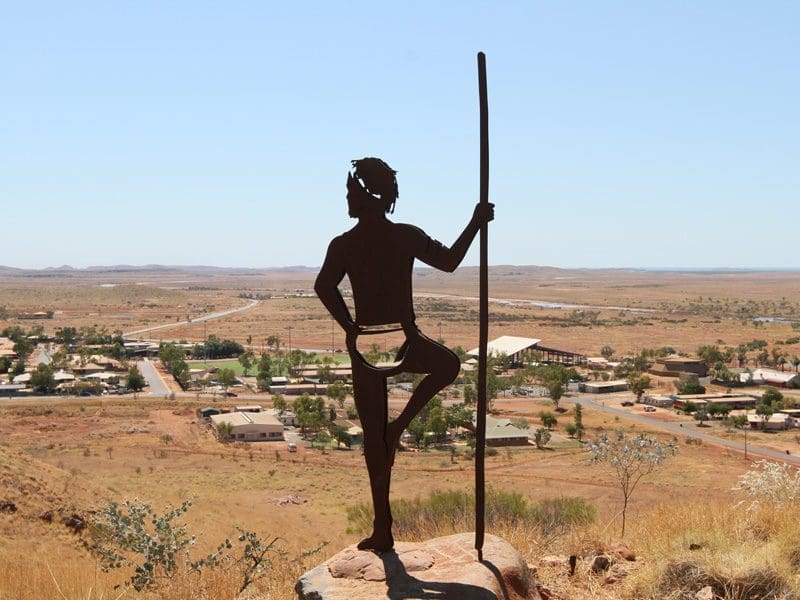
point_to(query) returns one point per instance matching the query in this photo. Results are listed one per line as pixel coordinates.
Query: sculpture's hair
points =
(377, 179)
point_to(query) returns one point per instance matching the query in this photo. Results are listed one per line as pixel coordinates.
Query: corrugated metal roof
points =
(243, 418)
(506, 344)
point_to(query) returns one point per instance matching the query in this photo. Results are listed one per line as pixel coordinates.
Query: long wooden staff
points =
(483, 309)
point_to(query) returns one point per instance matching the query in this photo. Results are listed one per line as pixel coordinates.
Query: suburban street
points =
(689, 430)
(156, 385)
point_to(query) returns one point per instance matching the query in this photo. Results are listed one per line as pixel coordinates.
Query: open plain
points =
(60, 457)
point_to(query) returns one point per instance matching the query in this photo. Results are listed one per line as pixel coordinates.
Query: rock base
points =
(445, 567)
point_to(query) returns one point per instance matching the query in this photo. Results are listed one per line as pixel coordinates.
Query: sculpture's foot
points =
(377, 542)
(391, 441)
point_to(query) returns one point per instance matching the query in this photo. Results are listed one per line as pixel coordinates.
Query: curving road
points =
(251, 303)
(677, 429)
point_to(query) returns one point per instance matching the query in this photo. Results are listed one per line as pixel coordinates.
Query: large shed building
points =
(251, 427)
(520, 349)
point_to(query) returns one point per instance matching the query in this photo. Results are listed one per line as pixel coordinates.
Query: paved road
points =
(156, 385)
(688, 430)
(219, 315)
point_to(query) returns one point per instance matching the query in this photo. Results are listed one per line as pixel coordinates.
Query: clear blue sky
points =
(623, 134)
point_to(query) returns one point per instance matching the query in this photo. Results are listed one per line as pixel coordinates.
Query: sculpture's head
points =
(371, 187)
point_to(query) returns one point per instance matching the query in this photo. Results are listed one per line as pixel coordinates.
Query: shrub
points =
(454, 511)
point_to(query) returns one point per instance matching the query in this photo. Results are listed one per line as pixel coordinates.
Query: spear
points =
(483, 309)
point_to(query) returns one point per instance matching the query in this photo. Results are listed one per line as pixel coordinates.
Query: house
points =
(603, 387)
(7, 348)
(674, 366)
(776, 422)
(776, 378)
(251, 427)
(500, 432)
(353, 427)
(12, 389)
(700, 401)
(287, 417)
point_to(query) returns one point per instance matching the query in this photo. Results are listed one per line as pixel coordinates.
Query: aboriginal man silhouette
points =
(378, 256)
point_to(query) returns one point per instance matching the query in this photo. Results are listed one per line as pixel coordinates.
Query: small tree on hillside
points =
(607, 352)
(630, 458)
(579, 428)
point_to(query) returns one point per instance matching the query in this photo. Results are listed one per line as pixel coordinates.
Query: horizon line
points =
(155, 266)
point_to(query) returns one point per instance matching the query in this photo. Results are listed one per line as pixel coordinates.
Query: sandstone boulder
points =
(445, 567)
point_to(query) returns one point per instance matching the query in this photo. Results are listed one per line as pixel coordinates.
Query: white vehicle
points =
(292, 447)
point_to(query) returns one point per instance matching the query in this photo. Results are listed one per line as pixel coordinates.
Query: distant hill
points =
(197, 269)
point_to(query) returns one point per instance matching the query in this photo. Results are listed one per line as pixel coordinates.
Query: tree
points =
(341, 436)
(324, 370)
(279, 403)
(765, 411)
(715, 409)
(310, 412)
(570, 429)
(23, 348)
(226, 378)
(337, 392)
(607, 352)
(638, 383)
(541, 437)
(458, 415)
(67, 336)
(224, 430)
(170, 355)
(42, 379)
(579, 428)
(630, 459)
(521, 423)
(711, 355)
(556, 390)
(772, 397)
(470, 395)
(689, 383)
(548, 420)
(135, 380)
(246, 359)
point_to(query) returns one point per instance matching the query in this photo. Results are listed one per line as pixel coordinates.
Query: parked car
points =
(649, 409)
(627, 403)
(292, 447)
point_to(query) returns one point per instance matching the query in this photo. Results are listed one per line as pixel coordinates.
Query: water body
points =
(537, 303)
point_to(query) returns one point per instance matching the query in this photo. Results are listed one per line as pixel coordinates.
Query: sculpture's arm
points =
(327, 287)
(448, 259)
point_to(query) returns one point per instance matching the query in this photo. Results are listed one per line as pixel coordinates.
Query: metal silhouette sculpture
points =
(377, 256)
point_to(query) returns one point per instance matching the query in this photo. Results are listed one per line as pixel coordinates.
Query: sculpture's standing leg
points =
(369, 391)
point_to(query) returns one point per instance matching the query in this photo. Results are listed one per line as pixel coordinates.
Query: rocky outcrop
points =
(445, 567)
